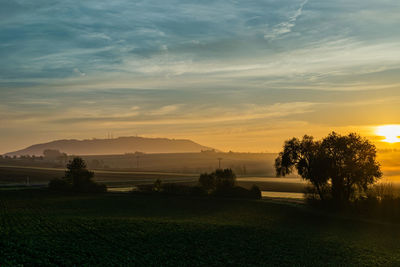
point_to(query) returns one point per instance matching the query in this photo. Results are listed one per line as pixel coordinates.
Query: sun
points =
(390, 132)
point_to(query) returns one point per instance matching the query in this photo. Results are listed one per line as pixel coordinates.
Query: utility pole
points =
(219, 163)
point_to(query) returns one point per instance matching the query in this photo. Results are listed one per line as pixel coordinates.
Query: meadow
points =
(38, 227)
(16, 176)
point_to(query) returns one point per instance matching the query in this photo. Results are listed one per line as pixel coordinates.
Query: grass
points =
(38, 175)
(17, 175)
(42, 228)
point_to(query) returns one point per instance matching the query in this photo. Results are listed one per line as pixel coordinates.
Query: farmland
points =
(42, 228)
(242, 163)
(17, 176)
(38, 175)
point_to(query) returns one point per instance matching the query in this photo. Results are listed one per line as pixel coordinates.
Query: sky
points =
(241, 75)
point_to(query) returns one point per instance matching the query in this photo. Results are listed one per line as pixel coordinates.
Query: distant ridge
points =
(120, 145)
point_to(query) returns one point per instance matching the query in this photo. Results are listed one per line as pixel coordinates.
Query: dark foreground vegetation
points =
(77, 178)
(220, 183)
(39, 228)
(340, 169)
(244, 164)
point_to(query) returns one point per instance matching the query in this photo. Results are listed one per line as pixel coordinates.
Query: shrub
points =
(225, 178)
(237, 192)
(207, 181)
(144, 188)
(59, 185)
(217, 179)
(157, 186)
(255, 192)
(176, 189)
(382, 191)
(198, 191)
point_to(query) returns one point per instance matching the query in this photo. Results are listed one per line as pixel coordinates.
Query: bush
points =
(144, 188)
(207, 181)
(93, 188)
(59, 185)
(382, 191)
(157, 186)
(175, 189)
(217, 179)
(256, 192)
(311, 193)
(237, 192)
(225, 178)
(198, 191)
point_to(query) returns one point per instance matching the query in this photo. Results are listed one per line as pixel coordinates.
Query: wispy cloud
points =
(286, 26)
(189, 66)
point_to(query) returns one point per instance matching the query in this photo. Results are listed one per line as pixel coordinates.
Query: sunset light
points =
(390, 132)
(200, 133)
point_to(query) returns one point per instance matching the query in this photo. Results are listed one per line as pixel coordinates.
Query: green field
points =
(41, 176)
(17, 175)
(42, 228)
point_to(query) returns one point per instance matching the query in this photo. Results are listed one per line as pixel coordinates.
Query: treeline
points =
(220, 183)
(243, 164)
(78, 178)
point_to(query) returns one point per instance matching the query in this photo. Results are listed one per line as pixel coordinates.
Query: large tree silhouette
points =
(341, 164)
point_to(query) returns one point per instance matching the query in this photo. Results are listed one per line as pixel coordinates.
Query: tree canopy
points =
(218, 179)
(77, 178)
(337, 166)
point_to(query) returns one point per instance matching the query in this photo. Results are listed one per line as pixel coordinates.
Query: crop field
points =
(42, 228)
(40, 175)
(17, 175)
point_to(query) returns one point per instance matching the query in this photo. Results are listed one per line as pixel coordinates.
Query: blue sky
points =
(240, 75)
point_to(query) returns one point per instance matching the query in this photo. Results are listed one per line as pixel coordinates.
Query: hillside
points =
(119, 145)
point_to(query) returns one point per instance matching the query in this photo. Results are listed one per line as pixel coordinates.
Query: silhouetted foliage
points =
(53, 154)
(236, 192)
(308, 157)
(225, 178)
(352, 164)
(218, 183)
(338, 166)
(255, 191)
(60, 185)
(218, 178)
(157, 187)
(77, 178)
(223, 183)
(207, 181)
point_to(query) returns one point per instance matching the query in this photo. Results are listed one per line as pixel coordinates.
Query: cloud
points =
(77, 71)
(165, 110)
(286, 26)
(189, 66)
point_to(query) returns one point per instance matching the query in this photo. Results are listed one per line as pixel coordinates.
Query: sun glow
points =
(390, 132)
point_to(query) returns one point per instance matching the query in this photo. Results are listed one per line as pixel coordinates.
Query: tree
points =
(78, 178)
(77, 174)
(55, 155)
(225, 178)
(307, 157)
(341, 164)
(218, 179)
(353, 164)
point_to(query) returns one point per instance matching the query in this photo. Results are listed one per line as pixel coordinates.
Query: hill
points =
(119, 145)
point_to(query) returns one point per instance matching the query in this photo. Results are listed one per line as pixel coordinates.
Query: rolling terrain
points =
(45, 229)
(118, 145)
